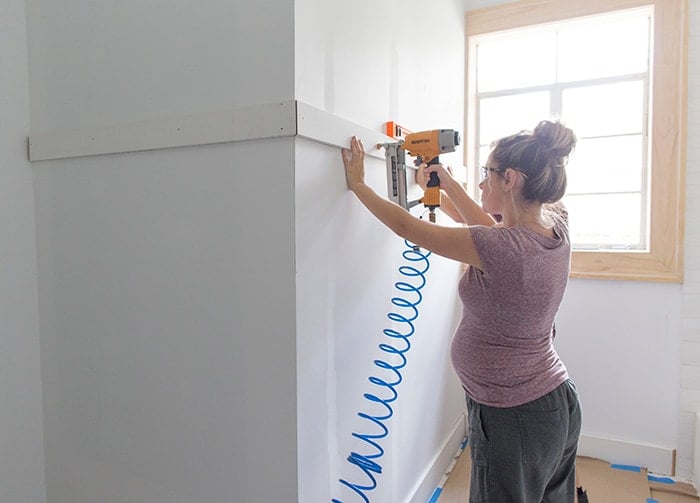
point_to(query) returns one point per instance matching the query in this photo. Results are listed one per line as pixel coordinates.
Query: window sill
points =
(626, 266)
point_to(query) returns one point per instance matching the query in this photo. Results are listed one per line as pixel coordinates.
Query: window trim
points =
(663, 261)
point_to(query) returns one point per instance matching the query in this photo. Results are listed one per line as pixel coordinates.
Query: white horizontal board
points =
(268, 120)
(324, 127)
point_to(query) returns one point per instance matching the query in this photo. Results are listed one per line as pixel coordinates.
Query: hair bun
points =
(555, 138)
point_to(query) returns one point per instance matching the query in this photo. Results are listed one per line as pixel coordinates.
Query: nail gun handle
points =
(434, 180)
(431, 196)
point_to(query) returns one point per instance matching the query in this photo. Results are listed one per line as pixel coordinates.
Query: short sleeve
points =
(559, 215)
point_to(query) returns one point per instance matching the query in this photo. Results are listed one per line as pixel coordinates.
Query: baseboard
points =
(696, 453)
(431, 477)
(661, 460)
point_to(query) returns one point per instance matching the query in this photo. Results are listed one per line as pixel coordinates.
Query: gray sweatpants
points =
(525, 454)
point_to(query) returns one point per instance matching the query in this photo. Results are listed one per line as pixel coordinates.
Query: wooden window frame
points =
(663, 261)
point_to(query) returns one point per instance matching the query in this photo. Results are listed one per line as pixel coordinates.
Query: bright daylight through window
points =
(595, 72)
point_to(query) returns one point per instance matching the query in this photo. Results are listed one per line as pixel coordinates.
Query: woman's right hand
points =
(423, 174)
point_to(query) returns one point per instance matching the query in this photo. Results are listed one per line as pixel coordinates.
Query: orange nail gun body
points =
(426, 147)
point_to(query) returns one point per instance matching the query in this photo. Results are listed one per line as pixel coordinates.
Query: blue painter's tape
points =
(436, 495)
(438, 490)
(661, 480)
(629, 468)
(652, 500)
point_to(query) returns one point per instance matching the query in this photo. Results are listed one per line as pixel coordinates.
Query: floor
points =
(604, 483)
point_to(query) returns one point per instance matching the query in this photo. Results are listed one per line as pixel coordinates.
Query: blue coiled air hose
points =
(404, 314)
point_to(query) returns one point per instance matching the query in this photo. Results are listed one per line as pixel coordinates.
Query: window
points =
(614, 72)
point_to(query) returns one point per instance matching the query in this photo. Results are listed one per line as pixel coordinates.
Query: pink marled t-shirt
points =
(503, 348)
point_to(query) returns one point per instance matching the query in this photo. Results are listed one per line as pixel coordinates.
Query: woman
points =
(524, 412)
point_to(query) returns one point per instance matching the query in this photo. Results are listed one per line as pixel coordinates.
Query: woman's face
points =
(492, 194)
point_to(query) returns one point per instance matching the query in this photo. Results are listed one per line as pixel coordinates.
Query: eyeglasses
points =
(485, 170)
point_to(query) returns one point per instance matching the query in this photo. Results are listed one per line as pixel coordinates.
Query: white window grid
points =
(556, 91)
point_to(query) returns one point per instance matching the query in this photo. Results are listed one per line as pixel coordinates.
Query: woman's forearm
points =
(468, 209)
(449, 208)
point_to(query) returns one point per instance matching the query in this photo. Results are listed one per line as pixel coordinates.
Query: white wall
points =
(167, 327)
(106, 63)
(378, 61)
(690, 329)
(347, 264)
(621, 343)
(371, 62)
(167, 290)
(166, 277)
(21, 434)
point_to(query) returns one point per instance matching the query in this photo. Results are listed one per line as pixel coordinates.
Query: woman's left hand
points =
(354, 160)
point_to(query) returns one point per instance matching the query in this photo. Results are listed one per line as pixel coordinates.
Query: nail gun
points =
(426, 147)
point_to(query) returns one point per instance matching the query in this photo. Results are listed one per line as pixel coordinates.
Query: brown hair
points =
(541, 155)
